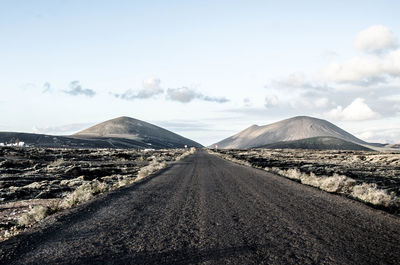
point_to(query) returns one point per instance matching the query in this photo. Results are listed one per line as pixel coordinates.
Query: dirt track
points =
(208, 210)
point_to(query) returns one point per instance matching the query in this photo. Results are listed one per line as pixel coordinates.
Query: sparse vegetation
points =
(35, 215)
(84, 193)
(71, 177)
(370, 193)
(154, 166)
(317, 169)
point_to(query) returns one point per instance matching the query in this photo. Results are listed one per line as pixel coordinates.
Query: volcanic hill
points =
(287, 133)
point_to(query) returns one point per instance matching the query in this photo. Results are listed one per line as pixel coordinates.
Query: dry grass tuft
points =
(341, 184)
(124, 181)
(370, 193)
(154, 166)
(86, 190)
(192, 150)
(34, 215)
(84, 193)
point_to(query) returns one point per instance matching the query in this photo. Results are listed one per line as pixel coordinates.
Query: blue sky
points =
(203, 69)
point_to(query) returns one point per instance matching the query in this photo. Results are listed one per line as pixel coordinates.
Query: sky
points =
(203, 69)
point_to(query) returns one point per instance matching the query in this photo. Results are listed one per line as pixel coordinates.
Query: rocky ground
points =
(206, 210)
(380, 171)
(32, 177)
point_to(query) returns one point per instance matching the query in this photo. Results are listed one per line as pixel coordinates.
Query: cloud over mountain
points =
(365, 71)
(358, 110)
(297, 81)
(75, 89)
(186, 95)
(151, 88)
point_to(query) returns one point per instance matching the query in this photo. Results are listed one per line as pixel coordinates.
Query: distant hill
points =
(123, 132)
(51, 141)
(127, 129)
(395, 146)
(297, 128)
(317, 143)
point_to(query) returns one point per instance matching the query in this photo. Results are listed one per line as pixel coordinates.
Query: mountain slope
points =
(317, 143)
(297, 128)
(52, 141)
(129, 129)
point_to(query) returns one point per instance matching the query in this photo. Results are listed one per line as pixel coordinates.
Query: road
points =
(205, 210)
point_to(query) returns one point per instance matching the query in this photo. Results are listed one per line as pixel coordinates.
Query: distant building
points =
(148, 149)
(18, 143)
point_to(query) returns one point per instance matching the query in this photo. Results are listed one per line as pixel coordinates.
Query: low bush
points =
(370, 193)
(36, 214)
(84, 193)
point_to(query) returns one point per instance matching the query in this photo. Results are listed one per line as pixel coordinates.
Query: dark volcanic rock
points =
(28, 173)
(382, 169)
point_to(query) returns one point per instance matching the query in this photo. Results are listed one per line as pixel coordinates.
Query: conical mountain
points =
(296, 128)
(137, 132)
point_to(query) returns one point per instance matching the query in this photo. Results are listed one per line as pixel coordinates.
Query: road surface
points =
(205, 210)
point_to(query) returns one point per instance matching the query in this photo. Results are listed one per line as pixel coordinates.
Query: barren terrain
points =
(369, 176)
(206, 210)
(45, 177)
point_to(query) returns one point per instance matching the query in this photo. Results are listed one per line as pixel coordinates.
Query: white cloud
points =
(185, 95)
(372, 69)
(376, 38)
(294, 80)
(75, 89)
(182, 94)
(364, 70)
(152, 83)
(271, 101)
(297, 81)
(354, 70)
(391, 64)
(151, 88)
(358, 110)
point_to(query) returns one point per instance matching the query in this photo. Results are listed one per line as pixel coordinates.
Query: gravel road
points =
(206, 210)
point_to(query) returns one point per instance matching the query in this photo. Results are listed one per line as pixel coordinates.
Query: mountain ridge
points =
(318, 143)
(133, 129)
(121, 132)
(295, 128)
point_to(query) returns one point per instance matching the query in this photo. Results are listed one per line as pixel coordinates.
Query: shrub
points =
(154, 166)
(337, 183)
(124, 181)
(370, 193)
(84, 193)
(293, 173)
(36, 214)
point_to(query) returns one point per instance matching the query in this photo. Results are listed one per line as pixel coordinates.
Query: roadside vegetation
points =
(370, 177)
(72, 177)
